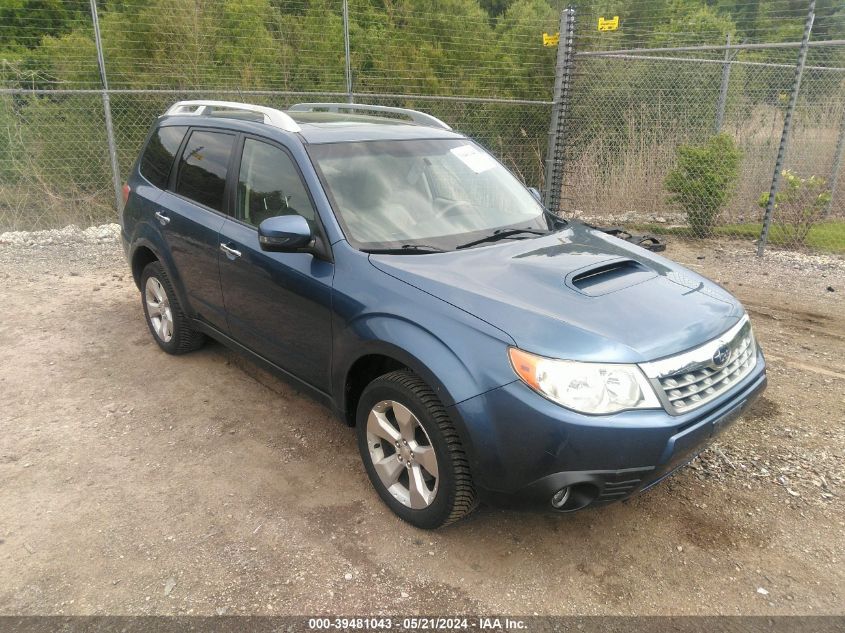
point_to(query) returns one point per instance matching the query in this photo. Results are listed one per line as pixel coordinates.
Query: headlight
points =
(593, 388)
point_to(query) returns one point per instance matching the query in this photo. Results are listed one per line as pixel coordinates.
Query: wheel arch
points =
(361, 373)
(142, 256)
(381, 357)
(457, 366)
(144, 251)
(376, 344)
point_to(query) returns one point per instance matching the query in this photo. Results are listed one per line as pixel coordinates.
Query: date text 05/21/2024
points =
(417, 623)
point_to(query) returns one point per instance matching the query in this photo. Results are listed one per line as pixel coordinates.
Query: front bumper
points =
(525, 448)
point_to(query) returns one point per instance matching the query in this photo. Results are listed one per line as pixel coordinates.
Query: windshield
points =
(437, 194)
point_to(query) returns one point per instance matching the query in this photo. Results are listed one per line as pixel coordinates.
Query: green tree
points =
(800, 203)
(703, 181)
(25, 22)
(525, 72)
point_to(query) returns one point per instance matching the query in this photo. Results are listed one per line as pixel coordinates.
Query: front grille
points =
(701, 382)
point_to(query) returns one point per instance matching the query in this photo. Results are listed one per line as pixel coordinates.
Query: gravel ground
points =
(136, 483)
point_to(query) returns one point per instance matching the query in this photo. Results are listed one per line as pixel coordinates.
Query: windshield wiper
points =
(501, 234)
(405, 249)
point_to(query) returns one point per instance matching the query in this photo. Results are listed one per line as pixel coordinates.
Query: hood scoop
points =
(609, 276)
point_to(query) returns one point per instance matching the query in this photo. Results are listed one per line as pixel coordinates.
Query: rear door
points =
(278, 304)
(192, 213)
(155, 167)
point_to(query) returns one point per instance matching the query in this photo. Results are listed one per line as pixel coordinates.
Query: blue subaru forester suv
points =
(484, 349)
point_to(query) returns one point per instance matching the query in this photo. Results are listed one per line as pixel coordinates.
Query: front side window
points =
(158, 156)
(269, 185)
(436, 192)
(202, 168)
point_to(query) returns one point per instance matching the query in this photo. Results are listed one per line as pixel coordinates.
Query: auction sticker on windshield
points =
(472, 158)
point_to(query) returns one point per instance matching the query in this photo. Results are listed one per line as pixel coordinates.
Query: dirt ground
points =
(136, 483)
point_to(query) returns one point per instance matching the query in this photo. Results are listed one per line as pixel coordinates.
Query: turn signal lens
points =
(525, 366)
(594, 388)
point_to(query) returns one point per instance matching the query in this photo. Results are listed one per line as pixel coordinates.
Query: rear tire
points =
(412, 452)
(168, 324)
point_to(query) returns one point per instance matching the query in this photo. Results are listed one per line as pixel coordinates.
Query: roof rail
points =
(420, 118)
(272, 116)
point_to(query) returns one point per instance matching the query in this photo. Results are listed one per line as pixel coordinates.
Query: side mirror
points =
(536, 193)
(284, 233)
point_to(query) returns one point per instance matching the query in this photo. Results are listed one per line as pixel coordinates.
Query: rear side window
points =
(202, 168)
(158, 156)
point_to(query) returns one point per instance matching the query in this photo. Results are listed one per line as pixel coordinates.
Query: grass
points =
(37, 205)
(824, 236)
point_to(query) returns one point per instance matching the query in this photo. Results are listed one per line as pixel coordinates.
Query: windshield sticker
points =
(472, 158)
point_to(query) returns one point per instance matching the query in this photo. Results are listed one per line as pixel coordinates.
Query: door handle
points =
(162, 218)
(231, 253)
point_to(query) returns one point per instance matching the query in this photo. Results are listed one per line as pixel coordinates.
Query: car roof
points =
(333, 127)
(321, 127)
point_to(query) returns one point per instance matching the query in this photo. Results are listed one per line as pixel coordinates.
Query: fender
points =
(437, 362)
(429, 356)
(146, 235)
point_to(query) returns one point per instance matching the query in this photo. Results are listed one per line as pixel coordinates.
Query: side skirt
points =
(313, 392)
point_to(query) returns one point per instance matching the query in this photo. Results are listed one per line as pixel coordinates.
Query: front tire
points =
(168, 324)
(412, 452)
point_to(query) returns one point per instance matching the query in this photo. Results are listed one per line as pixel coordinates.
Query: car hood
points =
(577, 293)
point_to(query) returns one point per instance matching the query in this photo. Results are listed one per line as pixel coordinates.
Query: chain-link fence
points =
(489, 80)
(683, 139)
(632, 127)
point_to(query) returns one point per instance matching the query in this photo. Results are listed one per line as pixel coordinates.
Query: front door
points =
(277, 304)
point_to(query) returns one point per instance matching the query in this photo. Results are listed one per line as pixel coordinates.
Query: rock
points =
(405, 594)
(169, 586)
(830, 289)
(762, 591)
(347, 576)
(71, 234)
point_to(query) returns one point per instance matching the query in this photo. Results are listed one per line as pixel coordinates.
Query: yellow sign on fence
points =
(605, 24)
(609, 25)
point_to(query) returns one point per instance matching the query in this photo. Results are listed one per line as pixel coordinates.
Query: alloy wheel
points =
(402, 454)
(158, 309)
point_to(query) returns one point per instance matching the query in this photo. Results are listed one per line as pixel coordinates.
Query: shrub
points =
(799, 204)
(703, 181)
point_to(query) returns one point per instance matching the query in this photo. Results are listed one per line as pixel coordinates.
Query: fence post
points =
(837, 163)
(787, 124)
(115, 168)
(560, 107)
(723, 89)
(347, 55)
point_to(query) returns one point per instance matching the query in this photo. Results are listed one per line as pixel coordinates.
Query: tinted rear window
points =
(158, 156)
(202, 168)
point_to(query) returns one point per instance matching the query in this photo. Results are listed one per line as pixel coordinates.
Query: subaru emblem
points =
(721, 355)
